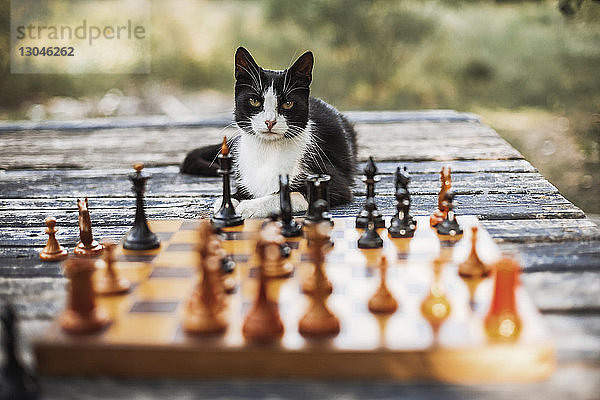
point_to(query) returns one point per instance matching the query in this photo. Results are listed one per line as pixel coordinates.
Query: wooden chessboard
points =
(146, 338)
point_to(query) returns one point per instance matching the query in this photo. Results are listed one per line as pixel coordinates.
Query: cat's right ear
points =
(245, 66)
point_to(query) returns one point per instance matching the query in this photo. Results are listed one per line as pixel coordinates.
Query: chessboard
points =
(145, 337)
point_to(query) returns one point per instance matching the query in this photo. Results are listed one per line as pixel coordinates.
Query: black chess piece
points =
(370, 239)
(289, 227)
(402, 224)
(17, 382)
(226, 216)
(370, 179)
(317, 188)
(449, 226)
(140, 237)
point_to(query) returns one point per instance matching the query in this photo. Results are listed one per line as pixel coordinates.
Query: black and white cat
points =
(282, 130)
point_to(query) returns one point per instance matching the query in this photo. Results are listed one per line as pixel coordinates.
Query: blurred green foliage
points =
(370, 54)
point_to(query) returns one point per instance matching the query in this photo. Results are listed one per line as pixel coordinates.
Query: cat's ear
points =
(302, 68)
(245, 66)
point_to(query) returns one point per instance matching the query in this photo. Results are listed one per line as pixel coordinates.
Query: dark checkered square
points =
(154, 307)
(172, 272)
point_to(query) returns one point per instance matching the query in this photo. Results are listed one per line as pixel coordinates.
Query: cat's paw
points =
(299, 203)
(258, 208)
(217, 204)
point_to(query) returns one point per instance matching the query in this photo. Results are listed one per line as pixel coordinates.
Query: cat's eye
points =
(253, 102)
(287, 105)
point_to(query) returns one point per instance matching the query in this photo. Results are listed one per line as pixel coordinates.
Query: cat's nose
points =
(270, 124)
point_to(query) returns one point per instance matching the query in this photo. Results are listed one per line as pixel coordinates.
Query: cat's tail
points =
(201, 161)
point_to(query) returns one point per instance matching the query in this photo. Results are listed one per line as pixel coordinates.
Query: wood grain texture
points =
(122, 147)
(524, 213)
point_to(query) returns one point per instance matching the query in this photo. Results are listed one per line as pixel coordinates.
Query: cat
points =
(281, 130)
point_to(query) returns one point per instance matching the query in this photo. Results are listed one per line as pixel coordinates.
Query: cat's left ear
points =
(302, 68)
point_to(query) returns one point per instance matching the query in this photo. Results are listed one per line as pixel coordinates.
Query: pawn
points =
(503, 322)
(370, 239)
(449, 226)
(81, 315)
(109, 281)
(87, 246)
(382, 301)
(473, 270)
(204, 311)
(276, 264)
(319, 321)
(318, 242)
(435, 307)
(53, 250)
(263, 324)
(17, 381)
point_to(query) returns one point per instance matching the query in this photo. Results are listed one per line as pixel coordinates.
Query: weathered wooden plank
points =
(530, 235)
(581, 255)
(564, 292)
(484, 206)
(121, 147)
(541, 230)
(222, 120)
(168, 181)
(457, 166)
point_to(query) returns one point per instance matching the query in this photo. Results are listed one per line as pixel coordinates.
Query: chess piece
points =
(109, 281)
(446, 180)
(227, 268)
(289, 227)
(435, 307)
(502, 322)
(473, 270)
(17, 381)
(226, 215)
(53, 250)
(140, 237)
(275, 263)
(318, 242)
(449, 226)
(204, 311)
(382, 301)
(317, 188)
(319, 321)
(370, 239)
(402, 224)
(82, 315)
(87, 246)
(370, 179)
(263, 324)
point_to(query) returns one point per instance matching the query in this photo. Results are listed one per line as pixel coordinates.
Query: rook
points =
(82, 316)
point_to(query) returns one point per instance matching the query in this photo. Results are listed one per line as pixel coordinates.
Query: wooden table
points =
(46, 166)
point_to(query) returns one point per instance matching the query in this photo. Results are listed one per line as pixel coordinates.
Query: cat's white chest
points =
(259, 163)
